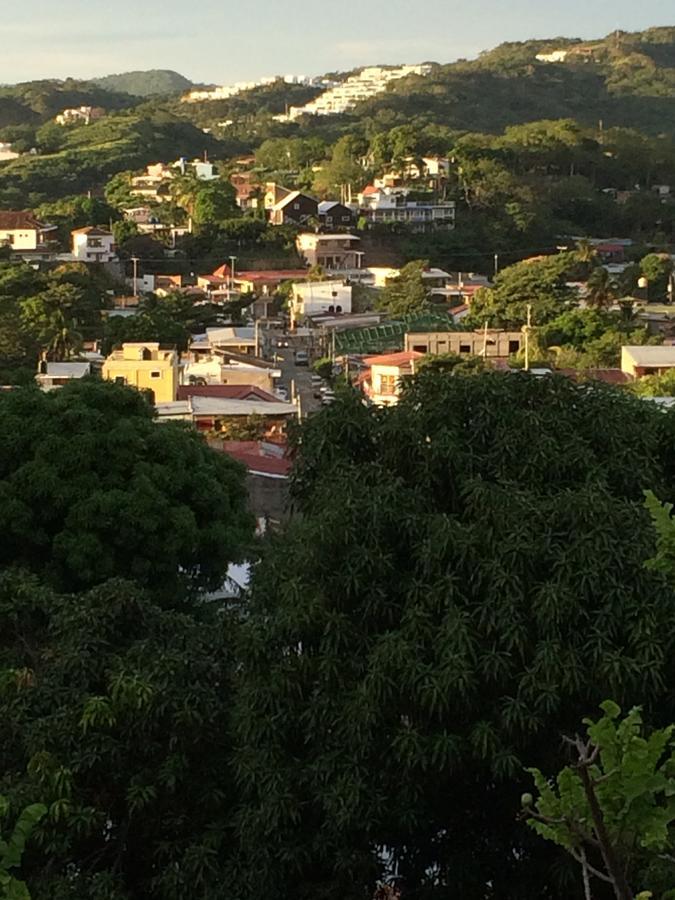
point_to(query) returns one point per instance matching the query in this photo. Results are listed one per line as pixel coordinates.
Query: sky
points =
(221, 41)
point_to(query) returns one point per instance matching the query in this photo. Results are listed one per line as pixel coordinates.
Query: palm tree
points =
(602, 290)
(586, 255)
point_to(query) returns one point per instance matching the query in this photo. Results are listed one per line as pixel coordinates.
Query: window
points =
(420, 348)
(333, 293)
(155, 374)
(120, 379)
(94, 242)
(514, 346)
(465, 348)
(387, 384)
(296, 206)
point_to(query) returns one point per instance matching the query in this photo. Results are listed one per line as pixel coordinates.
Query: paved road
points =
(302, 376)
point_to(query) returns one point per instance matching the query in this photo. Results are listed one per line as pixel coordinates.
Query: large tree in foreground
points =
(465, 582)
(115, 716)
(91, 488)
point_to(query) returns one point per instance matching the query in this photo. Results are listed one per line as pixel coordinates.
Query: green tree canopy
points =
(92, 488)
(539, 283)
(115, 715)
(465, 578)
(407, 292)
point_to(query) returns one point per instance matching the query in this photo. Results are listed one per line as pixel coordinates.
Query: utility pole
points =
(233, 260)
(257, 337)
(527, 337)
(135, 261)
(496, 264)
(485, 332)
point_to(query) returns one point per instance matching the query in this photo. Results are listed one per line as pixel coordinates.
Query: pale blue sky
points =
(221, 41)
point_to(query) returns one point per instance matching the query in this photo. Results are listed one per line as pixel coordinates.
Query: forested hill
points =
(624, 80)
(154, 82)
(35, 102)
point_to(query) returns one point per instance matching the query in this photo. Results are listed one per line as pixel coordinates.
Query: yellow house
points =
(148, 367)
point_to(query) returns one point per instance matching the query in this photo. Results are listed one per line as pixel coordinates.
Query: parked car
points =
(301, 358)
(327, 398)
(281, 392)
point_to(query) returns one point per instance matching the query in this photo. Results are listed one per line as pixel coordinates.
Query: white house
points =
(21, 231)
(316, 298)
(382, 384)
(391, 205)
(93, 244)
(55, 374)
(6, 152)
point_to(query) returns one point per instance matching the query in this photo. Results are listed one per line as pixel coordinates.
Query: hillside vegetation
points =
(144, 84)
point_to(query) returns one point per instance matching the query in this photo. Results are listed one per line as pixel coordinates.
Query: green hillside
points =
(85, 157)
(154, 82)
(624, 80)
(35, 102)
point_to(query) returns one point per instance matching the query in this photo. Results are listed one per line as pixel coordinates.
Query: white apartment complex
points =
(225, 91)
(344, 96)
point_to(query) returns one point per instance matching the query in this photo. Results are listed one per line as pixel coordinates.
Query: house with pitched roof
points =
(294, 209)
(93, 244)
(22, 232)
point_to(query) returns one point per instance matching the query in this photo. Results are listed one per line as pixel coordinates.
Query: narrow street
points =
(300, 375)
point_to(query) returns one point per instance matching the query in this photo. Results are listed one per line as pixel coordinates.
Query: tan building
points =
(22, 231)
(382, 385)
(330, 251)
(640, 361)
(149, 367)
(492, 344)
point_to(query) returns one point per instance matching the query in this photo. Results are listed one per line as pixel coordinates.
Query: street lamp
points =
(643, 283)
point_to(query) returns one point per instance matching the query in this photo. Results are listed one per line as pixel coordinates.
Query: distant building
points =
(22, 232)
(335, 215)
(343, 96)
(6, 152)
(82, 115)
(294, 209)
(491, 344)
(640, 361)
(330, 251)
(553, 56)
(146, 366)
(392, 205)
(55, 374)
(382, 384)
(314, 298)
(93, 244)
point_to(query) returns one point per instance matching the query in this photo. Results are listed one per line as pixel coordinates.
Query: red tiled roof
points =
(252, 454)
(393, 359)
(370, 189)
(13, 221)
(271, 275)
(226, 392)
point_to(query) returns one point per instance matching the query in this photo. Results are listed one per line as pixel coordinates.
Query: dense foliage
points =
(466, 580)
(92, 488)
(147, 83)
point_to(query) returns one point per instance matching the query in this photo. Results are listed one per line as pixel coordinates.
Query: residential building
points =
(640, 361)
(345, 95)
(392, 205)
(146, 366)
(6, 152)
(237, 339)
(225, 91)
(22, 232)
(382, 384)
(55, 374)
(274, 194)
(208, 413)
(491, 343)
(315, 298)
(93, 244)
(330, 251)
(335, 215)
(248, 190)
(294, 209)
(82, 115)
(264, 282)
(221, 367)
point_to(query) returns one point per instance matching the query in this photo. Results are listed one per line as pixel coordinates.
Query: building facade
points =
(147, 367)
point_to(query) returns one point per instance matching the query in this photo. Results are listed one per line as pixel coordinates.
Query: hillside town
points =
(337, 428)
